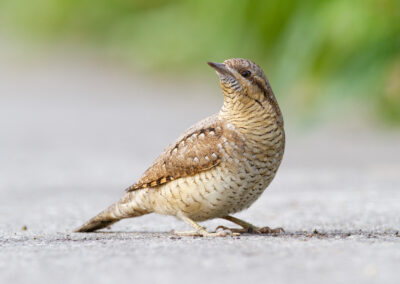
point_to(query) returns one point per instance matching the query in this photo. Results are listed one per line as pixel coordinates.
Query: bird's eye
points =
(245, 73)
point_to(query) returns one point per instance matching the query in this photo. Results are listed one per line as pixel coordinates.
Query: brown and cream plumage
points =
(219, 166)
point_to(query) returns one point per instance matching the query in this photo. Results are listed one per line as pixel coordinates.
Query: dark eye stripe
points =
(258, 83)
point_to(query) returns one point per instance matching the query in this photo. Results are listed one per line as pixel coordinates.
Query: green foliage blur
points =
(316, 53)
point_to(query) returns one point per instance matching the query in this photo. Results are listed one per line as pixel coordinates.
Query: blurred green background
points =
(321, 56)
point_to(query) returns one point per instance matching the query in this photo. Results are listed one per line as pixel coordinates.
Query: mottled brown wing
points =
(194, 152)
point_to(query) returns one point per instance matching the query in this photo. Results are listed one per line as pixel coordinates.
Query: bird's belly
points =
(211, 194)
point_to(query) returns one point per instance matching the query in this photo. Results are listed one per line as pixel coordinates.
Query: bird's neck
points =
(254, 112)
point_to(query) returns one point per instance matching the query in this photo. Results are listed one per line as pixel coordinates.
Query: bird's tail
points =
(127, 207)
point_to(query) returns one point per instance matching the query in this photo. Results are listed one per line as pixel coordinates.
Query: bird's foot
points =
(201, 233)
(253, 230)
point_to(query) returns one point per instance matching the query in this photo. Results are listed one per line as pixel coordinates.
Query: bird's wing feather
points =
(195, 151)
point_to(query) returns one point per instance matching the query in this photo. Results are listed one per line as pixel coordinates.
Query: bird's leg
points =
(249, 228)
(200, 231)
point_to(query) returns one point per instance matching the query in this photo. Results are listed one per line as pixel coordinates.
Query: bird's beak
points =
(221, 68)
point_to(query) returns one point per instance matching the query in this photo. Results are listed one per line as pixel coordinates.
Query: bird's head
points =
(244, 82)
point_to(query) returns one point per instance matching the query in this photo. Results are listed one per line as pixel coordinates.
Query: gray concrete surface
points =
(76, 132)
